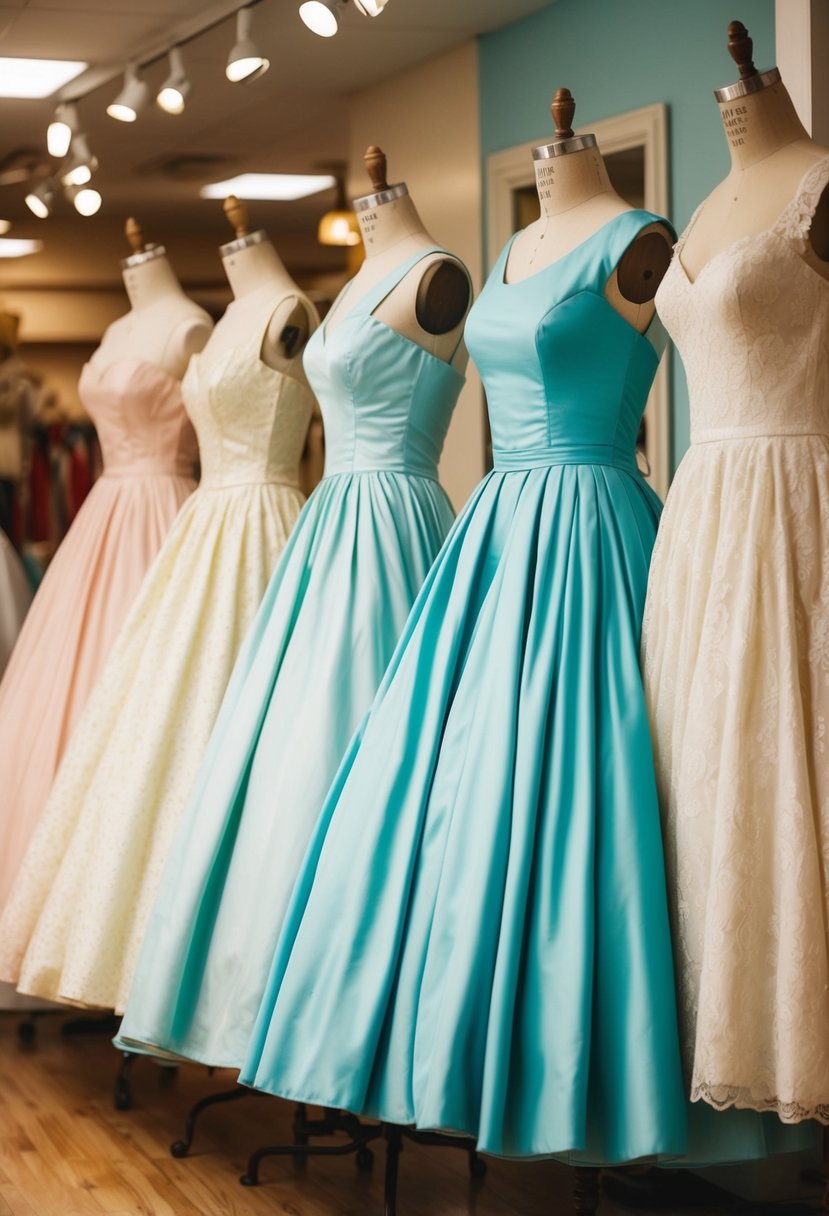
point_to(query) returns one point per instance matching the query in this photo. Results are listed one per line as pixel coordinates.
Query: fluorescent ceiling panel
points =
(11, 247)
(282, 186)
(37, 77)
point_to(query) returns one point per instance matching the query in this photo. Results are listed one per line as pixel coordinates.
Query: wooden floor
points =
(66, 1151)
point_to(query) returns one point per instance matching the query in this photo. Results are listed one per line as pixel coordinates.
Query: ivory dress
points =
(74, 921)
(306, 675)
(149, 451)
(736, 653)
(478, 940)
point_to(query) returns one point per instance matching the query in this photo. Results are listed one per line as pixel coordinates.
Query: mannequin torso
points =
(430, 303)
(163, 326)
(576, 200)
(770, 154)
(257, 278)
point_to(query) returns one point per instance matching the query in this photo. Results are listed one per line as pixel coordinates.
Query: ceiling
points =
(293, 119)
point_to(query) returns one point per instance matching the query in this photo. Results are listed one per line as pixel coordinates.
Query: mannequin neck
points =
(388, 224)
(760, 124)
(256, 266)
(151, 283)
(564, 182)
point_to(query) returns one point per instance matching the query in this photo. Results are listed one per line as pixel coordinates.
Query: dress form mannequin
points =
(163, 326)
(770, 154)
(430, 303)
(577, 199)
(257, 276)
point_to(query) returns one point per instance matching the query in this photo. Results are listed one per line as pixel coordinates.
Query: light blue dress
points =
(307, 673)
(478, 941)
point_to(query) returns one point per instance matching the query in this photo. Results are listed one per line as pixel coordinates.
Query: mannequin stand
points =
(105, 1023)
(180, 1148)
(587, 1190)
(361, 1135)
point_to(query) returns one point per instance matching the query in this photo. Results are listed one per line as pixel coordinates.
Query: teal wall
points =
(618, 55)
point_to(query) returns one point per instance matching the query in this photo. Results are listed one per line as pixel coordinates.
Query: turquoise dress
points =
(307, 672)
(478, 941)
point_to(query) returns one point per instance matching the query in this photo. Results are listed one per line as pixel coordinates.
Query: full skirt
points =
(73, 924)
(736, 650)
(307, 673)
(80, 605)
(478, 941)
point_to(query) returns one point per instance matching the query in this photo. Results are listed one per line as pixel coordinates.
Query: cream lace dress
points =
(736, 653)
(75, 916)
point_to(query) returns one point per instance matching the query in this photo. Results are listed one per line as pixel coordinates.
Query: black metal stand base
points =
(180, 1148)
(167, 1074)
(361, 1135)
(587, 1191)
(104, 1023)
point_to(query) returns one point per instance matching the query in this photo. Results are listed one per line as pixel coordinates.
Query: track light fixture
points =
(322, 16)
(131, 100)
(63, 126)
(245, 61)
(86, 201)
(82, 163)
(176, 89)
(41, 199)
(371, 8)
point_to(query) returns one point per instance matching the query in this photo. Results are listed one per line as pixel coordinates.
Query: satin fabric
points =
(149, 450)
(76, 915)
(478, 941)
(306, 675)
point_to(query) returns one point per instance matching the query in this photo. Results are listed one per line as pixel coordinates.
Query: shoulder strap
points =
(377, 294)
(624, 231)
(796, 218)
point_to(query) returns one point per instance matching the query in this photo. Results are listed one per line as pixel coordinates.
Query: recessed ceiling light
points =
(37, 77)
(15, 247)
(283, 186)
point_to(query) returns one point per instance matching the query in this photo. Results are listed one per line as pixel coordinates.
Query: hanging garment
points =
(150, 450)
(74, 921)
(15, 597)
(478, 941)
(736, 650)
(306, 675)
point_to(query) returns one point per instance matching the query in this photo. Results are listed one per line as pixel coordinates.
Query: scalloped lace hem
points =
(721, 1097)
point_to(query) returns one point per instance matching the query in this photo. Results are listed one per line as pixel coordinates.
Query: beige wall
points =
(426, 121)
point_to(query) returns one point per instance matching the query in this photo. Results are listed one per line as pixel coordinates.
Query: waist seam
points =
(586, 454)
(735, 435)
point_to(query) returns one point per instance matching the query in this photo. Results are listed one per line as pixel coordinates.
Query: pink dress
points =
(149, 450)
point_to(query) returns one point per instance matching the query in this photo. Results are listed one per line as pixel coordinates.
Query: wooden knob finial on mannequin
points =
(740, 48)
(563, 109)
(374, 159)
(237, 215)
(134, 235)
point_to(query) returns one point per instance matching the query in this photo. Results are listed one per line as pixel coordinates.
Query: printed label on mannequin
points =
(734, 122)
(546, 179)
(368, 224)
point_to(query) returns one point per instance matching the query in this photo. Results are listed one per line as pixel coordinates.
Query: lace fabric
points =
(736, 658)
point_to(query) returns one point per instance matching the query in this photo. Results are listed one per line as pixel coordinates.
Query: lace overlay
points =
(736, 656)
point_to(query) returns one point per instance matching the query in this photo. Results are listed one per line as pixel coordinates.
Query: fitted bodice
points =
(251, 419)
(753, 329)
(566, 376)
(386, 402)
(140, 418)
